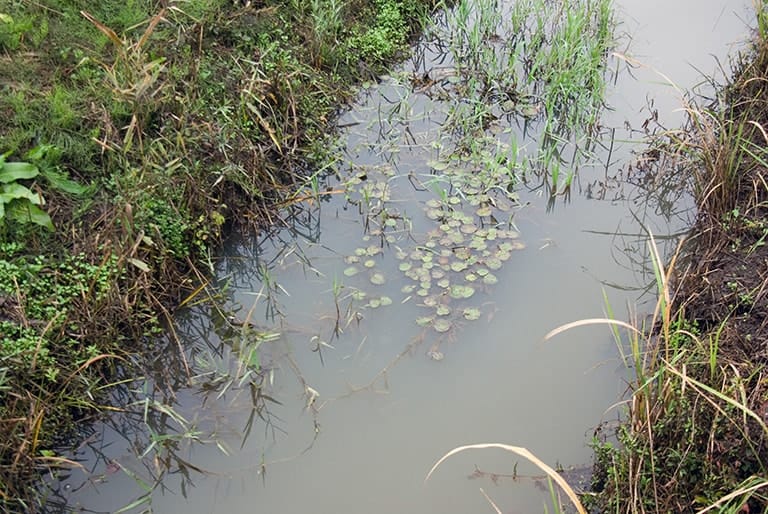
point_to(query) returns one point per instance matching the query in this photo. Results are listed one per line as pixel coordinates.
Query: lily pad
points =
(385, 300)
(459, 266)
(370, 263)
(430, 301)
(493, 263)
(442, 325)
(470, 277)
(351, 259)
(490, 279)
(359, 295)
(444, 283)
(442, 310)
(374, 303)
(377, 279)
(422, 292)
(484, 211)
(459, 291)
(405, 266)
(435, 214)
(351, 271)
(471, 313)
(423, 321)
(408, 289)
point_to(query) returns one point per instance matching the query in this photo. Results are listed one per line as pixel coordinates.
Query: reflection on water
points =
(374, 356)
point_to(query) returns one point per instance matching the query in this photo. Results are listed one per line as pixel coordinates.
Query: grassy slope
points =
(696, 436)
(155, 126)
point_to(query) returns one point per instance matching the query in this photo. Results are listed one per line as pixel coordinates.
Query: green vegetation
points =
(135, 134)
(694, 435)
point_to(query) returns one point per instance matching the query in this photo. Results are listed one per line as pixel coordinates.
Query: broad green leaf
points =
(61, 182)
(13, 191)
(25, 212)
(13, 171)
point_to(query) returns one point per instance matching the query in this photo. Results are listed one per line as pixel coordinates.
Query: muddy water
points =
(364, 411)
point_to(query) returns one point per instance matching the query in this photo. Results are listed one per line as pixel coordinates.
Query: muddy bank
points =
(137, 135)
(695, 438)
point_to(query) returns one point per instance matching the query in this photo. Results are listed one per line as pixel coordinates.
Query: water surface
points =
(363, 414)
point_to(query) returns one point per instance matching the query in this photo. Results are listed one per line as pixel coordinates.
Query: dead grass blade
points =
(734, 494)
(522, 452)
(591, 321)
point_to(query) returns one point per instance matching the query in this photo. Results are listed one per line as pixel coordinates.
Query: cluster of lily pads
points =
(469, 236)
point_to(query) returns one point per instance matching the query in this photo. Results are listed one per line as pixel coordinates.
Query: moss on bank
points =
(148, 129)
(695, 437)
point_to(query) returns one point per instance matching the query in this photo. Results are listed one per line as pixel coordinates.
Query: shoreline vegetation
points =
(136, 134)
(694, 437)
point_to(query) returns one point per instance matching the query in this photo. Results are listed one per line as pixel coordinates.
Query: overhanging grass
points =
(179, 120)
(694, 438)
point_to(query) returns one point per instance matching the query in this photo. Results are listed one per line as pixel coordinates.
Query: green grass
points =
(692, 436)
(162, 128)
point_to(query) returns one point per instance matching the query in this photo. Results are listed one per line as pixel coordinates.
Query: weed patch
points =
(136, 133)
(694, 438)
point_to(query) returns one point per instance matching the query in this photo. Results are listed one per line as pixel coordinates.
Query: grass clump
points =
(136, 133)
(695, 437)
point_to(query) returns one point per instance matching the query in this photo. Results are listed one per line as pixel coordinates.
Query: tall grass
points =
(691, 439)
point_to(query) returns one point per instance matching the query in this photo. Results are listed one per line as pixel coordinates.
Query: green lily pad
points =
(484, 211)
(351, 271)
(374, 303)
(405, 266)
(459, 266)
(490, 279)
(359, 295)
(385, 300)
(377, 279)
(423, 321)
(351, 259)
(478, 244)
(470, 277)
(443, 310)
(422, 292)
(438, 165)
(408, 289)
(444, 283)
(372, 250)
(493, 263)
(459, 291)
(430, 301)
(471, 313)
(435, 214)
(462, 253)
(433, 204)
(437, 273)
(370, 263)
(442, 325)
